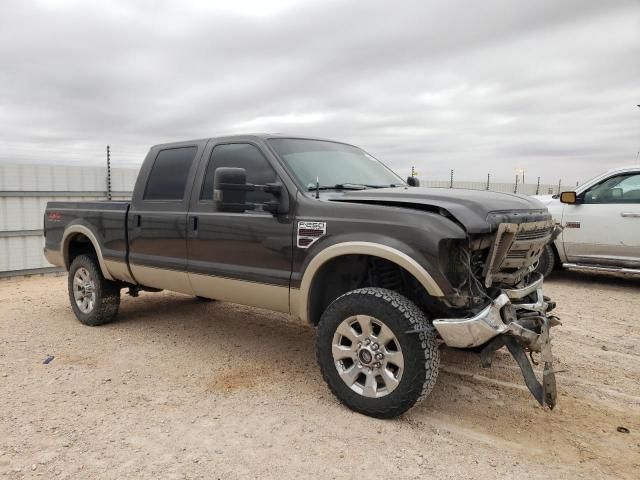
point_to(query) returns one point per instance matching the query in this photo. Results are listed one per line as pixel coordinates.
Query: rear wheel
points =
(94, 299)
(547, 261)
(377, 352)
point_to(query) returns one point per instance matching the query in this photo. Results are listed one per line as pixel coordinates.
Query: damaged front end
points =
(511, 309)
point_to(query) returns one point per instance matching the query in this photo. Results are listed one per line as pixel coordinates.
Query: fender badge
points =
(310, 232)
(572, 225)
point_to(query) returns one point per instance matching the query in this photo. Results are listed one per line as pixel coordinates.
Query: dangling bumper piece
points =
(519, 319)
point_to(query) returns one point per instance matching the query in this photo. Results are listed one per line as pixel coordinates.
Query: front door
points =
(239, 257)
(605, 227)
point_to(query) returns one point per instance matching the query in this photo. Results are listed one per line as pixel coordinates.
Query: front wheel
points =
(94, 299)
(547, 261)
(377, 352)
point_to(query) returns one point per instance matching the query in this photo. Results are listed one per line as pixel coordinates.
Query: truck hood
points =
(478, 211)
(547, 199)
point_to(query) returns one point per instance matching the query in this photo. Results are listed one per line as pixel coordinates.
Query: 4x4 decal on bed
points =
(309, 232)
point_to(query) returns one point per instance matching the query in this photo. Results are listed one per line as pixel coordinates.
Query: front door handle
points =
(630, 215)
(137, 220)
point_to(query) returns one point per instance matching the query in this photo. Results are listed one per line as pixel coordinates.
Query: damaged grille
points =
(533, 234)
(516, 248)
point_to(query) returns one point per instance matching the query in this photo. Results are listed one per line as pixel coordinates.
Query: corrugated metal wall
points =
(26, 189)
(24, 193)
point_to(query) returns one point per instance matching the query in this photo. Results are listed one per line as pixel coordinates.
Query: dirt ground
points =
(182, 389)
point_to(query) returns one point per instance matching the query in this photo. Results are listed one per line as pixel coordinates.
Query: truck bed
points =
(107, 220)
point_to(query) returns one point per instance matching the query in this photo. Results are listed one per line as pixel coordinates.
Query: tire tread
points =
(424, 378)
(107, 293)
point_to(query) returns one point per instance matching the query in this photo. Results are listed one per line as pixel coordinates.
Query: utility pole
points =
(108, 172)
(515, 188)
(538, 187)
(559, 186)
(488, 180)
(451, 182)
(637, 154)
(413, 171)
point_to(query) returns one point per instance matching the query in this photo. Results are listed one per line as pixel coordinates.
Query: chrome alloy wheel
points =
(84, 290)
(367, 356)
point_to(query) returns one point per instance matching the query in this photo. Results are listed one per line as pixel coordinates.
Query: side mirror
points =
(230, 189)
(413, 181)
(568, 198)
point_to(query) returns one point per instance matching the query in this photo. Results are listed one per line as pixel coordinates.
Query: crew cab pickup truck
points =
(385, 270)
(600, 223)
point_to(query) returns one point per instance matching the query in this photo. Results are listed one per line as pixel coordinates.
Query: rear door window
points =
(168, 177)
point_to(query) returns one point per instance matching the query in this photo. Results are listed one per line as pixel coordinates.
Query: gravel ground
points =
(177, 388)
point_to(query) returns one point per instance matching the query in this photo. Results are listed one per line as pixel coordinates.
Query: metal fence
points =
(24, 193)
(504, 187)
(26, 189)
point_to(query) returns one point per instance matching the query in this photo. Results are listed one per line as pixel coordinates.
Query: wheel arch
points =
(78, 234)
(301, 300)
(556, 255)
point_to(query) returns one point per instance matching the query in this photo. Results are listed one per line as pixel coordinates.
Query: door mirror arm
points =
(230, 189)
(280, 204)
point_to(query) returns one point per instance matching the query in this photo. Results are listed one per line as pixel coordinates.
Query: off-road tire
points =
(419, 349)
(107, 293)
(547, 262)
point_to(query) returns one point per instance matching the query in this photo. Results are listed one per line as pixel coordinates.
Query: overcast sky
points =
(477, 86)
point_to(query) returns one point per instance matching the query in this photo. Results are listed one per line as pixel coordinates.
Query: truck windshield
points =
(334, 165)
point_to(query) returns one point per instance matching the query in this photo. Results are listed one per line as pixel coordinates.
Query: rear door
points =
(240, 257)
(157, 221)
(605, 227)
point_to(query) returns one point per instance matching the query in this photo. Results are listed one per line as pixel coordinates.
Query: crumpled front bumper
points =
(512, 321)
(489, 322)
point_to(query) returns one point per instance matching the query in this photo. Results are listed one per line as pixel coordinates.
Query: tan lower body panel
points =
(118, 270)
(54, 257)
(294, 302)
(163, 279)
(252, 294)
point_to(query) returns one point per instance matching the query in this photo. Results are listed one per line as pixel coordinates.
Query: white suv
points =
(601, 221)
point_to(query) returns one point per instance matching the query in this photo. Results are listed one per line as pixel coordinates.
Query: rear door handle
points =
(137, 220)
(630, 215)
(194, 223)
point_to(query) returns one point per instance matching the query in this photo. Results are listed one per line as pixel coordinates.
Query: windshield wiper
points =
(348, 186)
(338, 186)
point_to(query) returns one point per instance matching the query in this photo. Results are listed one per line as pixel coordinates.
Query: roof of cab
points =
(246, 136)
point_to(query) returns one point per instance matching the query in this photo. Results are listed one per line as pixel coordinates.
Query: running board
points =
(596, 268)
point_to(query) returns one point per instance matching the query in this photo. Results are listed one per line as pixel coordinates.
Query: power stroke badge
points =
(309, 232)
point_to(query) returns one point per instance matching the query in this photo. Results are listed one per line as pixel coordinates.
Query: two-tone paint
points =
(252, 258)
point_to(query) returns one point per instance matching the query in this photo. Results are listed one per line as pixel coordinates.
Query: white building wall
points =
(24, 193)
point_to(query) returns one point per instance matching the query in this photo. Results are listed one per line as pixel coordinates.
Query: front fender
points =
(401, 254)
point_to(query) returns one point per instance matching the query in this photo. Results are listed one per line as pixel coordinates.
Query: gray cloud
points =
(474, 86)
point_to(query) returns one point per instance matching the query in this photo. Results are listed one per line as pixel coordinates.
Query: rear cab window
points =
(168, 177)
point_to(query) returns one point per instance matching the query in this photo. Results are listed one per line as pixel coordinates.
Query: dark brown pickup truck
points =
(385, 270)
